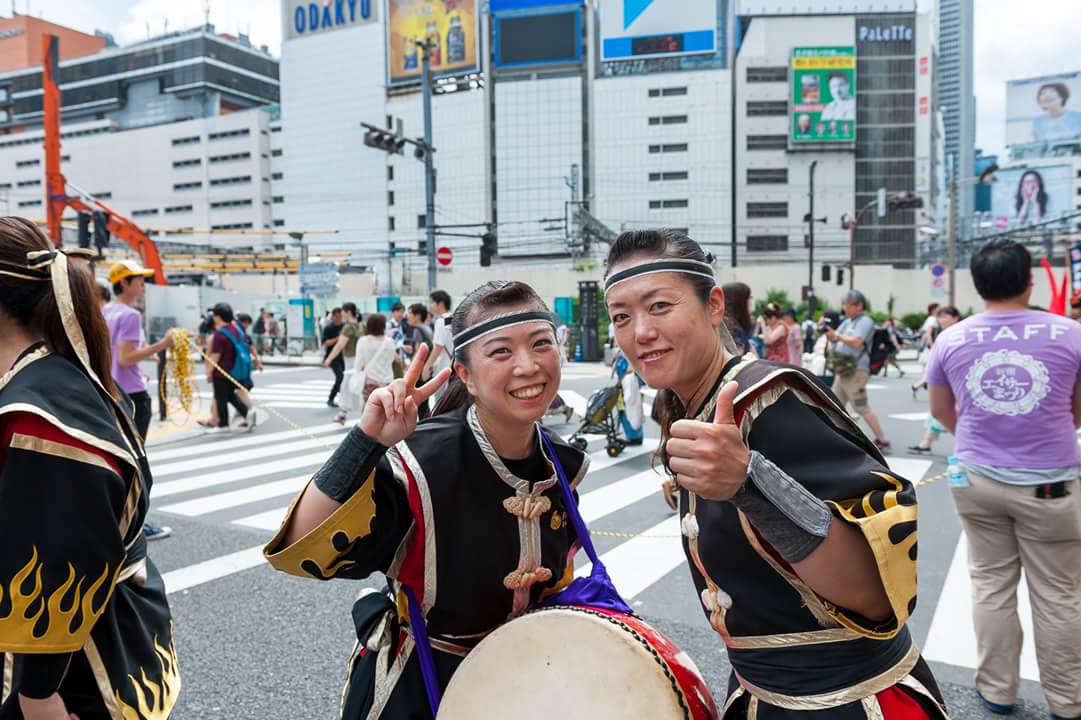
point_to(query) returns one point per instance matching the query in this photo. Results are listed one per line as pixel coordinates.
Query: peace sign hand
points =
(390, 415)
(710, 458)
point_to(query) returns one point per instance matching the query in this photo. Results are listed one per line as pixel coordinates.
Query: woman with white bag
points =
(374, 366)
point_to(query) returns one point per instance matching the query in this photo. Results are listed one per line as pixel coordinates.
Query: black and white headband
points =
(687, 267)
(487, 327)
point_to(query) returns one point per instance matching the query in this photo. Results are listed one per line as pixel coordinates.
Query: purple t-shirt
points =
(1013, 376)
(125, 323)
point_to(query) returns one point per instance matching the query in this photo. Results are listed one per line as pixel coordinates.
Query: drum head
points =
(561, 664)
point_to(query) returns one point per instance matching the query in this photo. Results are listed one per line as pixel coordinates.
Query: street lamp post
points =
(900, 201)
(987, 176)
(429, 162)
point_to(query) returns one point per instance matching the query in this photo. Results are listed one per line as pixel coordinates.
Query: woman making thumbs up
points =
(471, 486)
(800, 540)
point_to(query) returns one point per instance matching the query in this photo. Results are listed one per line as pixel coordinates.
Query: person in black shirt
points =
(330, 338)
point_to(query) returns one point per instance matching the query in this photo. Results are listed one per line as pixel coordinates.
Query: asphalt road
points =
(255, 643)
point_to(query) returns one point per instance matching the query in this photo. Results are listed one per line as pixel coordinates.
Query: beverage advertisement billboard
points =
(1026, 196)
(1044, 109)
(449, 25)
(823, 96)
(636, 29)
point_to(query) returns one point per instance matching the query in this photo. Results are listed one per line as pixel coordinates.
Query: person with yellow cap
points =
(129, 348)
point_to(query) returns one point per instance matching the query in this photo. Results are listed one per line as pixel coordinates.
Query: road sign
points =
(444, 256)
(938, 282)
(938, 270)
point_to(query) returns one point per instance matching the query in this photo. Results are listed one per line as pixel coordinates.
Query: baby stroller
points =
(601, 418)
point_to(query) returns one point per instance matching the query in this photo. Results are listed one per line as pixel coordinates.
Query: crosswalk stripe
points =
(288, 404)
(600, 460)
(237, 474)
(217, 444)
(270, 520)
(575, 399)
(234, 498)
(219, 567)
(911, 417)
(641, 561)
(258, 453)
(911, 469)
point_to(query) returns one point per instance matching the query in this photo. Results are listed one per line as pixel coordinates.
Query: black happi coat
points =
(441, 513)
(83, 611)
(793, 653)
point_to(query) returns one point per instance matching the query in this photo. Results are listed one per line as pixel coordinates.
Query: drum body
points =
(572, 662)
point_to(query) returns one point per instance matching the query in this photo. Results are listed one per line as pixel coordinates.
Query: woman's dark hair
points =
(950, 310)
(1041, 194)
(351, 308)
(376, 324)
(441, 296)
(1061, 88)
(1001, 269)
(32, 303)
(489, 299)
(420, 311)
(224, 311)
(790, 312)
(771, 310)
(932, 308)
(103, 292)
(737, 297)
(397, 306)
(243, 318)
(667, 243)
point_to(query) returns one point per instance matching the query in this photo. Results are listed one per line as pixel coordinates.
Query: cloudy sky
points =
(1013, 39)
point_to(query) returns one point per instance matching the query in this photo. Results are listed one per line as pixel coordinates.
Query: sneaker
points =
(883, 445)
(156, 532)
(331, 403)
(247, 424)
(992, 707)
(917, 450)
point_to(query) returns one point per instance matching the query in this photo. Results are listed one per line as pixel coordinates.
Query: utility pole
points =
(429, 162)
(811, 248)
(951, 242)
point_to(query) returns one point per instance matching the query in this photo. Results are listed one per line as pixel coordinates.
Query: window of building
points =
(188, 185)
(191, 140)
(767, 74)
(242, 132)
(144, 212)
(422, 221)
(176, 209)
(65, 158)
(28, 163)
(30, 203)
(767, 176)
(275, 129)
(5, 186)
(767, 243)
(390, 223)
(668, 120)
(767, 142)
(232, 226)
(236, 180)
(390, 172)
(278, 199)
(767, 209)
(279, 223)
(668, 148)
(193, 162)
(102, 195)
(220, 204)
(28, 183)
(667, 204)
(672, 175)
(277, 176)
(762, 108)
(276, 153)
(667, 92)
(233, 157)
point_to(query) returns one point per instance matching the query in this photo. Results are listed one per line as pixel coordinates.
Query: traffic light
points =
(84, 230)
(422, 247)
(489, 248)
(825, 273)
(905, 201)
(384, 140)
(101, 230)
(840, 276)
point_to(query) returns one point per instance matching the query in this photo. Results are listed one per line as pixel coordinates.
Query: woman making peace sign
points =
(801, 541)
(462, 513)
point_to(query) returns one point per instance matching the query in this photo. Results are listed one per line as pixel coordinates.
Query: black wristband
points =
(347, 469)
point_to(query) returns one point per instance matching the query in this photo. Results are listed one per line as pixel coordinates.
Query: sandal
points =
(340, 418)
(205, 423)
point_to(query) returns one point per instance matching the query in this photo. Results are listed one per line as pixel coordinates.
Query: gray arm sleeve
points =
(790, 518)
(347, 469)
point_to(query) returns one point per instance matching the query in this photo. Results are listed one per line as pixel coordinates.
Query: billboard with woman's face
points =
(1027, 196)
(1044, 109)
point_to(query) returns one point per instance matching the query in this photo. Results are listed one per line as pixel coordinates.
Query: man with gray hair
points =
(850, 360)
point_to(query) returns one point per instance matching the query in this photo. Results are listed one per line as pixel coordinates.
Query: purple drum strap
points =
(424, 650)
(579, 524)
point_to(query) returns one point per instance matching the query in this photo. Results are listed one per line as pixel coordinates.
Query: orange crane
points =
(56, 185)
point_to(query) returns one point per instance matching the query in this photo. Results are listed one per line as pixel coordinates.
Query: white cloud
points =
(259, 19)
(1016, 40)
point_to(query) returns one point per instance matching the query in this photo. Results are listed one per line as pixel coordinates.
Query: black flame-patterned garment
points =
(793, 653)
(83, 611)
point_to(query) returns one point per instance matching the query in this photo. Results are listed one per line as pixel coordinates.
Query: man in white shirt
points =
(843, 106)
(442, 339)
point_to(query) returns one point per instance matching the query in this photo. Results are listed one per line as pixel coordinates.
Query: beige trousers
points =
(853, 389)
(1009, 528)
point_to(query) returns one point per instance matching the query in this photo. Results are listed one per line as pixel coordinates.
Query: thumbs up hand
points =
(710, 458)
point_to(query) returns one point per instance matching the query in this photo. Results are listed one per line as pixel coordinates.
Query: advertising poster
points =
(1075, 272)
(1043, 110)
(823, 95)
(449, 25)
(633, 29)
(1026, 196)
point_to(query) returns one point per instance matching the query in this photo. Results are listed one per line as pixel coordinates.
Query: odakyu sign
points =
(304, 18)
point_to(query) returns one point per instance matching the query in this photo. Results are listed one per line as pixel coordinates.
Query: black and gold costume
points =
(477, 538)
(83, 611)
(793, 653)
